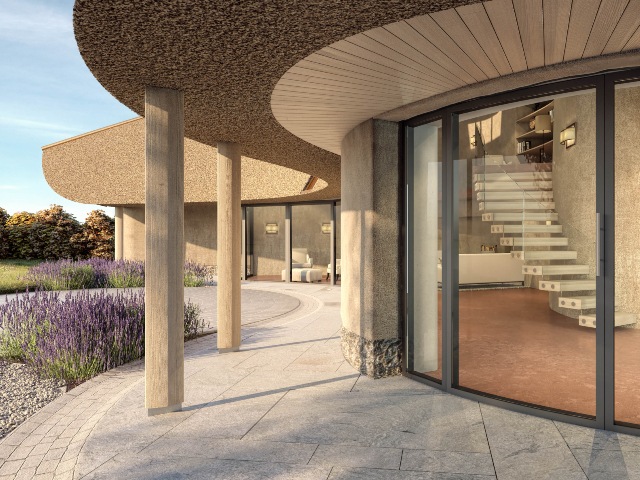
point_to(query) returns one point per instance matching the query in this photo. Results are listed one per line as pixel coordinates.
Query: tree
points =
(97, 237)
(51, 233)
(5, 249)
(18, 230)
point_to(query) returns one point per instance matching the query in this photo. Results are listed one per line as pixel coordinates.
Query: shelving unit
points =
(547, 147)
(541, 143)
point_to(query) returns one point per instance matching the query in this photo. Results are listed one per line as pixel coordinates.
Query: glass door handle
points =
(599, 243)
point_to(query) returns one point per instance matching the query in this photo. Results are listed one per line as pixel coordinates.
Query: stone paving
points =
(257, 304)
(288, 406)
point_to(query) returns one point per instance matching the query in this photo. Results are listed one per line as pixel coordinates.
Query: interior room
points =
(312, 234)
(524, 195)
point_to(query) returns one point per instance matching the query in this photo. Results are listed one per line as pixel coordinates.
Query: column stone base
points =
(374, 358)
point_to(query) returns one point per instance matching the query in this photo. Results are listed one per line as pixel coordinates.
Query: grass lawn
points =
(10, 273)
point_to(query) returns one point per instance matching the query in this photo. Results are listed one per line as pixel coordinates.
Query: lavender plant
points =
(195, 274)
(103, 273)
(193, 320)
(125, 274)
(81, 335)
(61, 275)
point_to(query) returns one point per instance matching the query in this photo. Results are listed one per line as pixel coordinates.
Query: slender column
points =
(243, 250)
(229, 247)
(119, 234)
(287, 241)
(164, 257)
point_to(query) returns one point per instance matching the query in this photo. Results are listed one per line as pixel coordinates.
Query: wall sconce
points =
(271, 228)
(568, 136)
(326, 228)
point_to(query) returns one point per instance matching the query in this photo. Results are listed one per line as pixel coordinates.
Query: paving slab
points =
(288, 406)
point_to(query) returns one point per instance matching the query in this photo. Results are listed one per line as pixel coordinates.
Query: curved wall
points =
(107, 167)
(370, 233)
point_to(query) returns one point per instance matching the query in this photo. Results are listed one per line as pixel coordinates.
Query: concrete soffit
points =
(107, 166)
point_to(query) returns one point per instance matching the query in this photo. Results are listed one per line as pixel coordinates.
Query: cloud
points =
(9, 187)
(36, 126)
(30, 23)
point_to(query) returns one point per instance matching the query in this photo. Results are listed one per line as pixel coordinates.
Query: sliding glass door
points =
(526, 217)
(626, 286)
(424, 210)
(523, 258)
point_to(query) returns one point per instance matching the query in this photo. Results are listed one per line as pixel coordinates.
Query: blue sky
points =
(47, 94)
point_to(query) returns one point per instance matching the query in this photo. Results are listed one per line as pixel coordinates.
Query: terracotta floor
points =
(512, 345)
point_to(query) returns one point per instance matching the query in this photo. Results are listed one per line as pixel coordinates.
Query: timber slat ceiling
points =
(324, 96)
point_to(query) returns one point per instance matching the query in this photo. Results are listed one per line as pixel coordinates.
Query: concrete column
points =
(287, 241)
(370, 244)
(164, 257)
(229, 246)
(243, 250)
(119, 234)
(332, 246)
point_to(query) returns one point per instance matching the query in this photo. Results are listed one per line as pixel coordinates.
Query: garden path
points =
(257, 304)
(288, 406)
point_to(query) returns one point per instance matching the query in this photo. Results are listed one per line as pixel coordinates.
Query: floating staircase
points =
(518, 200)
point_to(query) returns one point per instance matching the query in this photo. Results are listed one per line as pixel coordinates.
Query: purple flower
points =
(80, 335)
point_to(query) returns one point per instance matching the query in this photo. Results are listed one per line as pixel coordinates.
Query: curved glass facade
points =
(513, 204)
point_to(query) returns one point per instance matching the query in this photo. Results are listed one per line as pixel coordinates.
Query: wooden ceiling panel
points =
(321, 83)
(328, 93)
(503, 19)
(556, 25)
(450, 22)
(604, 25)
(430, 29)
(330, 57)
(625, 29)
(408, 48)
(320, 70)
(583, 14)
(425, 49)
(477, 21)
(634, 41)
(530, 22)
(362, 58)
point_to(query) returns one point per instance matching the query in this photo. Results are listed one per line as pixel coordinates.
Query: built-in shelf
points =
(547, 146)
(531, 134)
(540, 144)
(541, 111)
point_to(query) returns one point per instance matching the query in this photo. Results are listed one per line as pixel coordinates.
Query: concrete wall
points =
(370, 247)
(627, 166)
(133, 247)
(199, 233)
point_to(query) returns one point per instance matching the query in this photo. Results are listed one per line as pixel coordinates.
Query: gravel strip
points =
(22, 394)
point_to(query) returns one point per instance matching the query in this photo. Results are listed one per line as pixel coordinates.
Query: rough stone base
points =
(374, 358)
